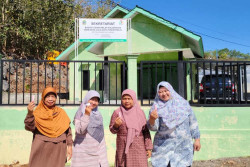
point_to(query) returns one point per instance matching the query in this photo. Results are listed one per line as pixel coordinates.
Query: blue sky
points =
(225, 20)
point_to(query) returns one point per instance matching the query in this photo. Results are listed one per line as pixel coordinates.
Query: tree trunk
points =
(3, 22)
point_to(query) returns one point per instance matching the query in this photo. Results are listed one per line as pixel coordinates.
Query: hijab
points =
(134, 117)
(95, 127)
(174, 111)
(51, 122)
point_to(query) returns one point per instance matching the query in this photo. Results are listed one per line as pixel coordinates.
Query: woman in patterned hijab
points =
(176, 125)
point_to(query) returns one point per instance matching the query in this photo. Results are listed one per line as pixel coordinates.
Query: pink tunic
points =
(137, 155)
(87, 151)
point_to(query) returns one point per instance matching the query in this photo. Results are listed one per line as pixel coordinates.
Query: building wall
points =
(75, 71)
(225, 132)
(146, 35)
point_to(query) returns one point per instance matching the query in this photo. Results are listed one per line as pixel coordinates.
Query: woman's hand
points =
(69, 152)
(88, 110)
(30, 108)
(153, 116)
(197, 145)
(118, 122)
(149, 153)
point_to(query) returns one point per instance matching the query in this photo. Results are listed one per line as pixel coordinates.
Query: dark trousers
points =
(170, 165)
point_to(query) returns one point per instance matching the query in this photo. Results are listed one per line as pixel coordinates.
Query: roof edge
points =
(115, 9)
(65, 52)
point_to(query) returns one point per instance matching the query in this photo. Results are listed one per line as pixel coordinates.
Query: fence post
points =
(106, 79)
(181, 83)
(141, 82)
(132, 72)
(1, 81)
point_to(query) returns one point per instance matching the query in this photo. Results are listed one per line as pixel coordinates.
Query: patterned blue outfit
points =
(176, 128)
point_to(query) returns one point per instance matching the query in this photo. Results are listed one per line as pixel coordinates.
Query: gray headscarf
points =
(95, 126)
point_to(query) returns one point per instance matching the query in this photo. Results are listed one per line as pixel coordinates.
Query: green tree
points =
(30, 28)
(222, 51)
(227, 54)
(210, 55)
(234, 53)
(223, 56)
(93, 8)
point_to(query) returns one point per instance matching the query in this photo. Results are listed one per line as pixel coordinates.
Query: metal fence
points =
(22, 79)
(203, 83)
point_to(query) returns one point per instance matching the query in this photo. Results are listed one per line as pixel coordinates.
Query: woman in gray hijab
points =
(89, 144)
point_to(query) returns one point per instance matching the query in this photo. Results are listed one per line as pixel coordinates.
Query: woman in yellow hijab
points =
(52, 137)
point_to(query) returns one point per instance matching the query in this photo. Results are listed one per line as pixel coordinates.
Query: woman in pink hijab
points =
(133, 142)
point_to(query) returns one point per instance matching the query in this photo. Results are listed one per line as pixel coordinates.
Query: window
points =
(85, 82)
(101, 79)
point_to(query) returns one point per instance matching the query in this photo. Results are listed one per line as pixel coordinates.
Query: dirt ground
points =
(223, 162)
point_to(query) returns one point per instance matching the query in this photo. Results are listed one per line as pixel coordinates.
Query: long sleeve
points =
(82, 124)
(69, 137)
(112, 122)
(147, 138)
(29, 122)
(155, 126)
(194, 129)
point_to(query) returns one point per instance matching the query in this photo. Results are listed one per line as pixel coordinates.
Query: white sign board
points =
(103, 30)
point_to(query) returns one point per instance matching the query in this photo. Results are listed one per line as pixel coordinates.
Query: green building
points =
(151, 38)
